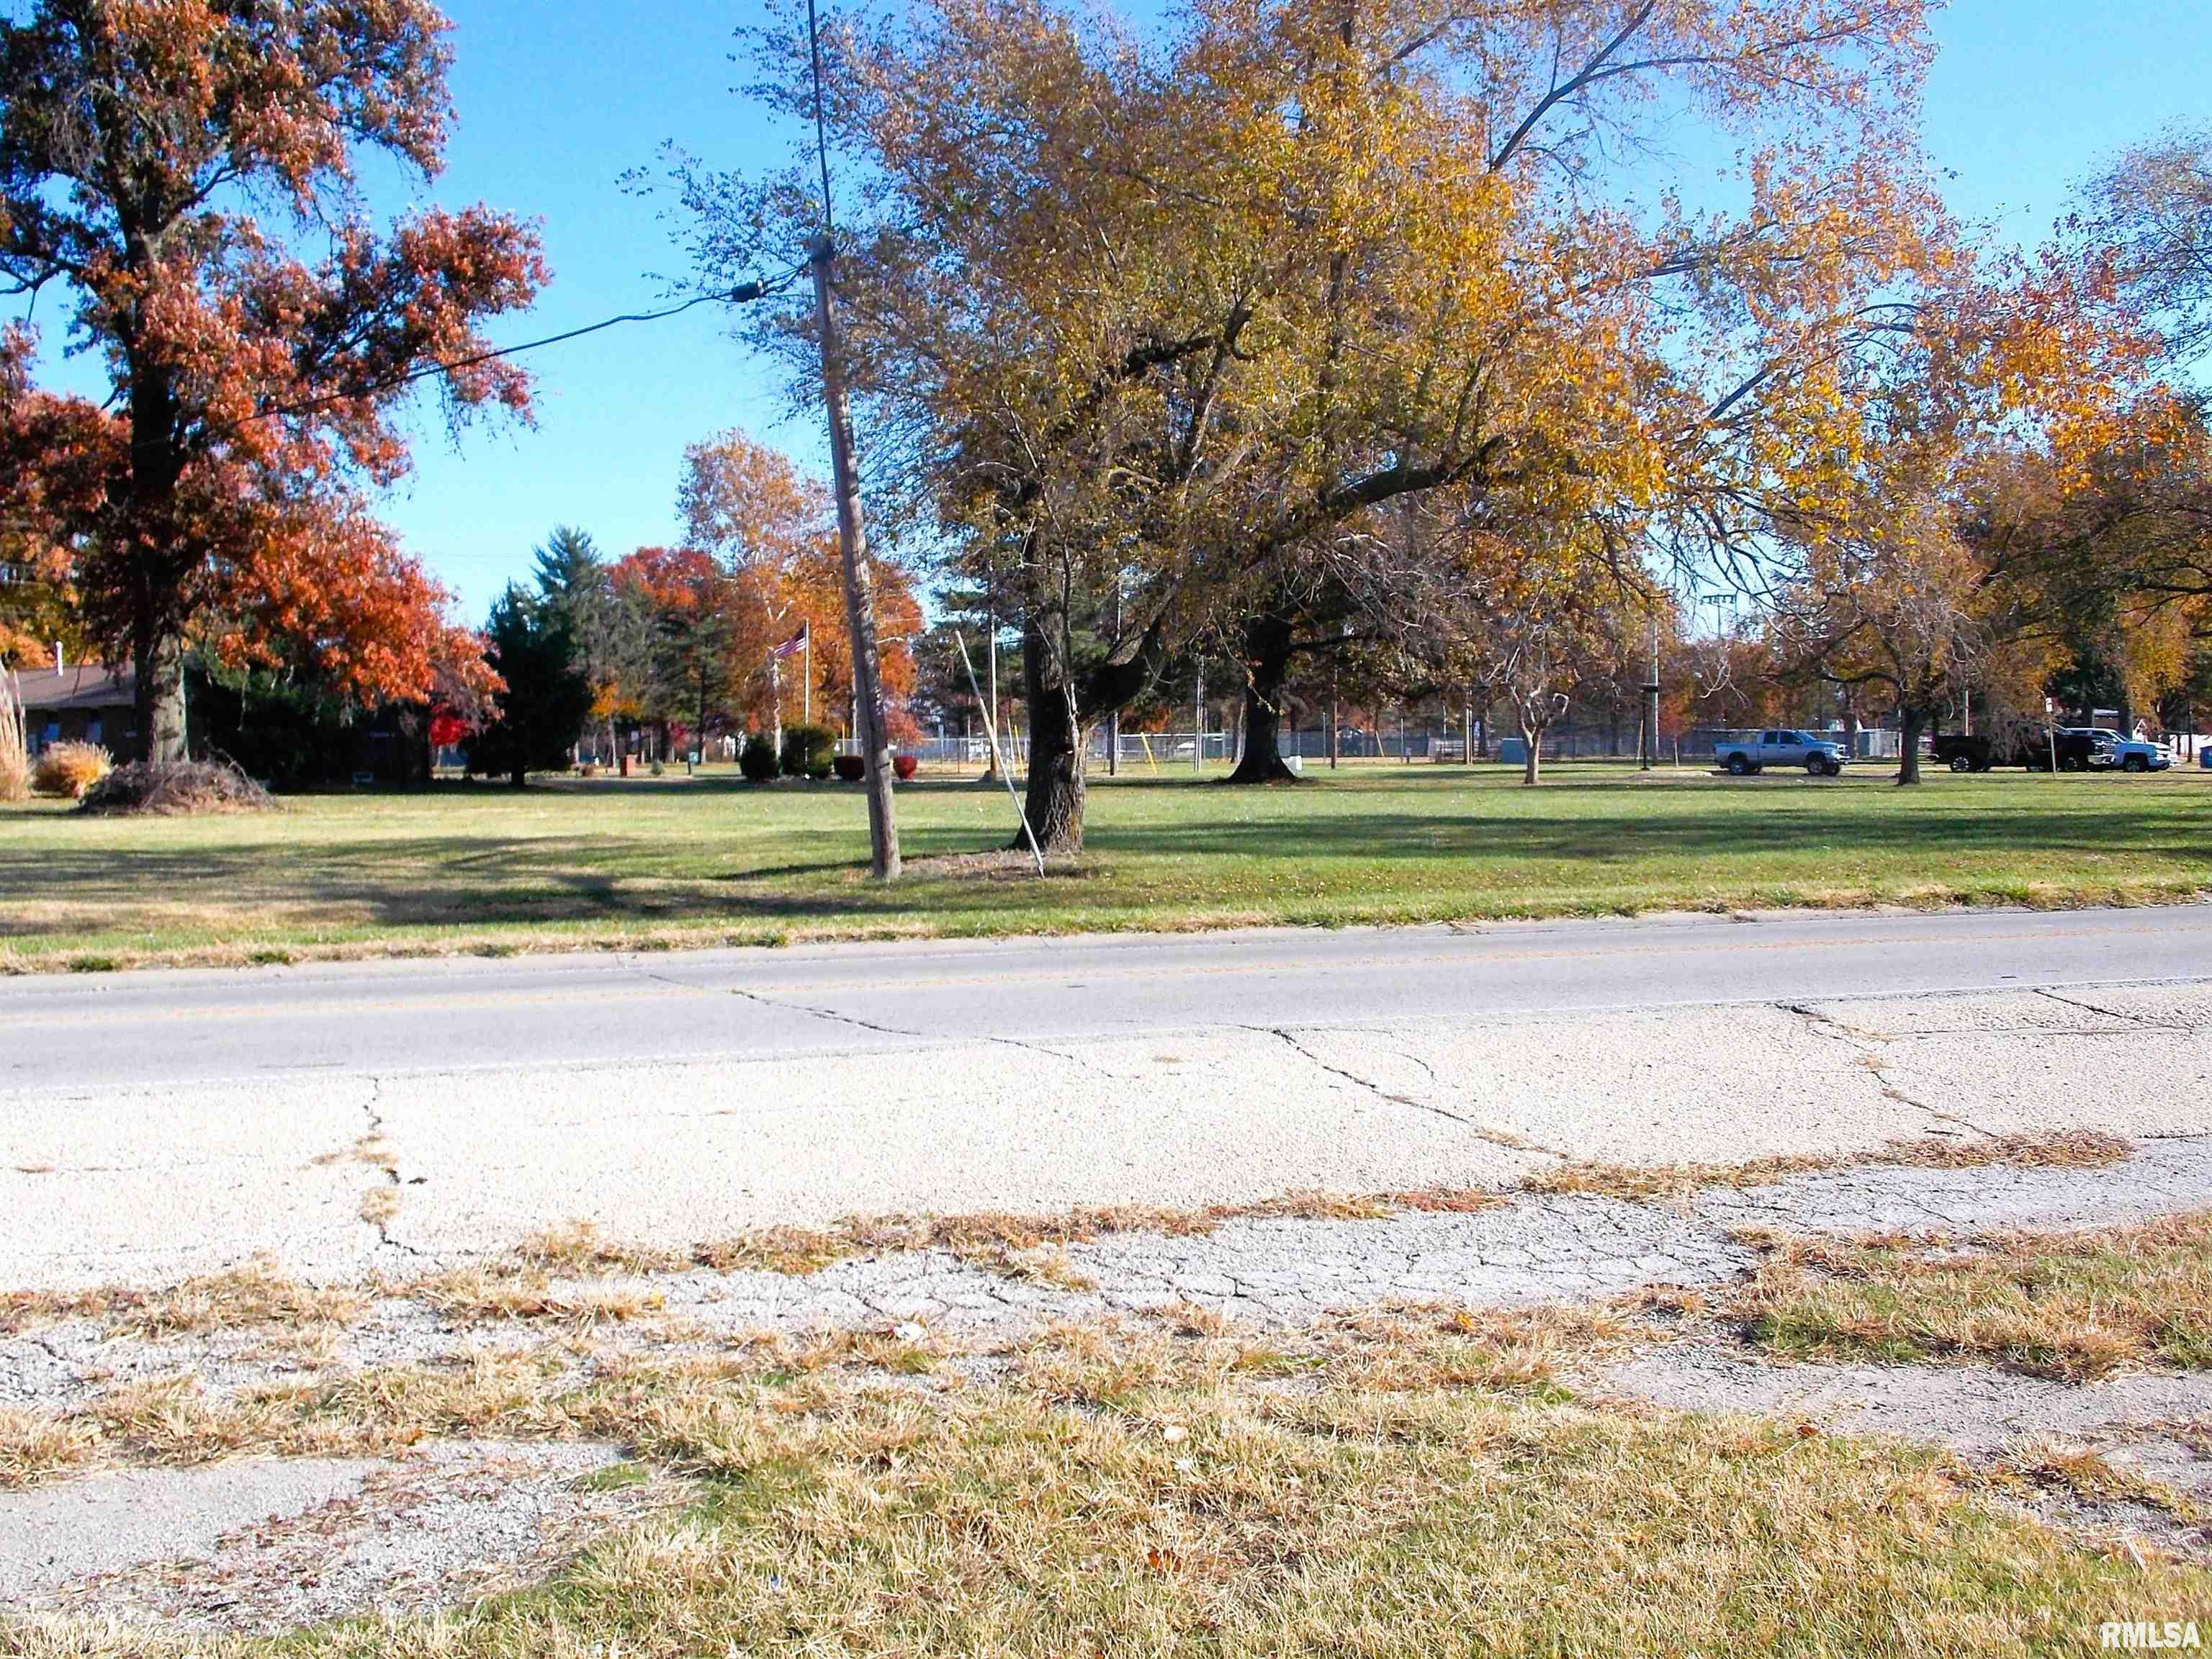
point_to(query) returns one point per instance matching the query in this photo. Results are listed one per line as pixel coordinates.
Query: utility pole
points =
(860, 582)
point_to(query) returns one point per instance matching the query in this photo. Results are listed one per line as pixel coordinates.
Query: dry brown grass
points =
(2086, 1476)
(68, 770)
(240, 1298)
(503, 1295)
(990, 1239)
(1172, 1485)
(2076, 1306)
(1657, 1183)
(2066, 1149)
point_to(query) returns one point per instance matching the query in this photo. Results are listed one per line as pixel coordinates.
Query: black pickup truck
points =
(2030, 747)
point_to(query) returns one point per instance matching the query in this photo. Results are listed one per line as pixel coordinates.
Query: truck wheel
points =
(1962, 763)
(2135, 763)
(1738, 766)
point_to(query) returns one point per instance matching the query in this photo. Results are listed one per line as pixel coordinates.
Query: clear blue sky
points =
(557, 99)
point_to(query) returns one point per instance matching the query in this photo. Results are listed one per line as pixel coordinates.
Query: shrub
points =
(757, 759)
(807, 751)
(852, 768)
(163, 787)
(71, 768)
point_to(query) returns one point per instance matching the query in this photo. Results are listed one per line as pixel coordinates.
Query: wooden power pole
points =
(860, 582)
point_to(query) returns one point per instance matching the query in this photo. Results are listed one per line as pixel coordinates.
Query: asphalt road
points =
(530, 1012)
(354, 1118)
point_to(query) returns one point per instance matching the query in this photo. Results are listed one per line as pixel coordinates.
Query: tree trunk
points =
(1532, 736)
(1267, 666)
(1911, 722)
(158, 697)
(1054, 801)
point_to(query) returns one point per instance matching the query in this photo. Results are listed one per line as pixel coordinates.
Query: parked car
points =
(1758, 751)
(2111, 751)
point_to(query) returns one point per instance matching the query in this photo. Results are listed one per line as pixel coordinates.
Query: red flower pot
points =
(850, 768)
(905, 765)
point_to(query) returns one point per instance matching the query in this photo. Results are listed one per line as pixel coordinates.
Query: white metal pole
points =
(1198, 725)
(991, 732)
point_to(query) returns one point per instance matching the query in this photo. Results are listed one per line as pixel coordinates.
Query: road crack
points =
(2140, 1022)
(1354, 1078)
(830, 1014)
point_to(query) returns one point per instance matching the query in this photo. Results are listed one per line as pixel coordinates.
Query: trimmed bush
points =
(71, 768)
(808, 751)
(757, 759)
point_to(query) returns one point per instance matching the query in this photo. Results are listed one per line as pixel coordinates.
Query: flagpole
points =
(806, 646)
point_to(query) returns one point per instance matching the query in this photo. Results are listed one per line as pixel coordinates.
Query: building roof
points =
(87, 685)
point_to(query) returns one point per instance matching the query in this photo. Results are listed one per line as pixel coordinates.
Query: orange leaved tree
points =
(184, 175)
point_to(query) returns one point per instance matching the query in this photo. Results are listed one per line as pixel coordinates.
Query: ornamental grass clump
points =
(71, 768)
(14, 757)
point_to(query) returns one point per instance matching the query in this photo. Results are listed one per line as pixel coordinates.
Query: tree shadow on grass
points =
(1614, 838)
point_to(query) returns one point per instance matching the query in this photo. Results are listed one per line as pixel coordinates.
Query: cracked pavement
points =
(341, 1122)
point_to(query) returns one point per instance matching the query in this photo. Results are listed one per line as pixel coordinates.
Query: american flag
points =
(791, 647)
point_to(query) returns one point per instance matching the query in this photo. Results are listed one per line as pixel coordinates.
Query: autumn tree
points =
(763, 518)
(38, 602)
(1884, 584)
(184, 176)
(1138, 315)
(2151, 210)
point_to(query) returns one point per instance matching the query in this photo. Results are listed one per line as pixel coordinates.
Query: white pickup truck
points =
(1754, 751)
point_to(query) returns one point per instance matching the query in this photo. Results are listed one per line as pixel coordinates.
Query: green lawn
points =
(713, 859)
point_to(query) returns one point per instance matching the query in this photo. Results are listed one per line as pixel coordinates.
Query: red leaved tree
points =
(183, 171)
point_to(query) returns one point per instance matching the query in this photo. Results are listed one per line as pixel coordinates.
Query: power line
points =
(743, 294)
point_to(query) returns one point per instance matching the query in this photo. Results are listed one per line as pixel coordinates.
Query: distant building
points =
(87, 703)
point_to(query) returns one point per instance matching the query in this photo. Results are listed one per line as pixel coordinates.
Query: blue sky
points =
(557, 99)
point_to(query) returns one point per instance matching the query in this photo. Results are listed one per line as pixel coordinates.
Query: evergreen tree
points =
(530, 646)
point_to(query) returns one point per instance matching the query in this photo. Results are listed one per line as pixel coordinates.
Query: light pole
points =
(1648, 750)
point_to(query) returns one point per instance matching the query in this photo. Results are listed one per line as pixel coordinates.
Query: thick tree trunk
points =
(1533, 736)
(1267, 666)
(1911, 721)
(1052, 803)
(158, 698)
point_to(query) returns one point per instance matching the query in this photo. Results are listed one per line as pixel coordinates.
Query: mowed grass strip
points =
(664, 862)
(2073, 1306)
(1122, 1494)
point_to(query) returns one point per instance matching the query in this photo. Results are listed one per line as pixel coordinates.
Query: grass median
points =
(711, 860)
